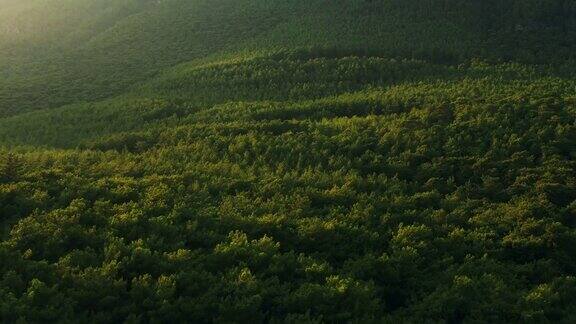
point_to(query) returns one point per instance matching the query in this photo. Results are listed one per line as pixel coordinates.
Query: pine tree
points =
(9, 168)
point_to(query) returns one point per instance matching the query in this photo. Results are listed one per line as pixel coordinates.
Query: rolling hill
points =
(364, 161)
(58, 52)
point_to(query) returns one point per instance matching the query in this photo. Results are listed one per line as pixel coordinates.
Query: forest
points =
(297, 161)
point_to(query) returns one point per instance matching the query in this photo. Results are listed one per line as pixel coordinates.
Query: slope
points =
(291, 162)
(59, 52)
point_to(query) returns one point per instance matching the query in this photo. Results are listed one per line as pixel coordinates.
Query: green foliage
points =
(58, 52)
(308, 162)
(9, 166)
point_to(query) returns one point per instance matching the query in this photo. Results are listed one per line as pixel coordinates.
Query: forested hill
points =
(295, 161)
(56, 52)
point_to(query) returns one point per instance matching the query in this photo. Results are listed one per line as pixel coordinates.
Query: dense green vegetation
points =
(287, 162)
(56, 52)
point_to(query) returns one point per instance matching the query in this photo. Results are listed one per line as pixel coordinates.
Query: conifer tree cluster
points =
(251, 161)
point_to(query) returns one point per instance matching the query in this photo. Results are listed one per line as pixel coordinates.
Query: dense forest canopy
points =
(56, 52)
(364, 161)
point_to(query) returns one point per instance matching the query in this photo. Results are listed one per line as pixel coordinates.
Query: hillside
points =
(57, 52)
(292, 161)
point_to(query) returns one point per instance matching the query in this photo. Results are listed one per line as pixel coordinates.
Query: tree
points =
(9, 168)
